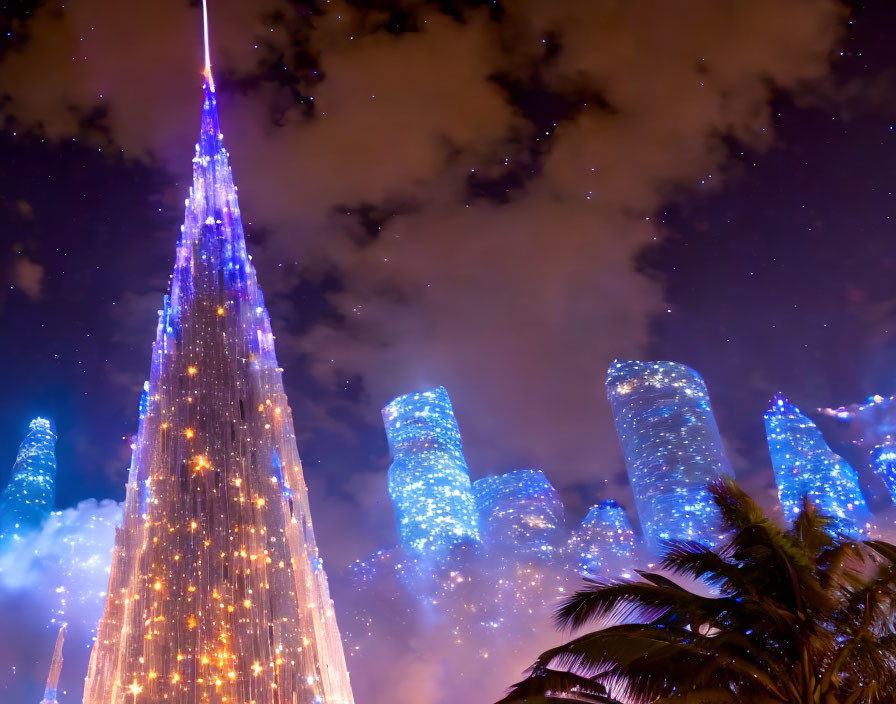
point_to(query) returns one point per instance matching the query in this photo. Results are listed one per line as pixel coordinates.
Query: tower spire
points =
(208, 56)
(55, 670)
(216, 552)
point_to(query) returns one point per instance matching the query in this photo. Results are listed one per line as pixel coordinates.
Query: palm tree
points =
(790, 616)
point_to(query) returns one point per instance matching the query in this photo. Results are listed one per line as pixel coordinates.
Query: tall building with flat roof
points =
(429, 482)
(672, 448)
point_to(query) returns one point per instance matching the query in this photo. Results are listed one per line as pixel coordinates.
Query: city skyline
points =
(520, 487)
(531, 565)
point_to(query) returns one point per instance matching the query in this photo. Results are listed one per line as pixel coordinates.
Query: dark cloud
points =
(28, 276)
(516, 301)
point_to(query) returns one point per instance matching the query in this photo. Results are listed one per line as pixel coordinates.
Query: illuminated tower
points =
(55, 670)
(604, 545)
(217, 592)
(31, 493)
(428, 480)
(883, 460)
(519, 510)
(805, 466)
(672, 448)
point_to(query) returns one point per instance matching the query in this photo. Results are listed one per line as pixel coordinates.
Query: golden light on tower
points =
(211, 505)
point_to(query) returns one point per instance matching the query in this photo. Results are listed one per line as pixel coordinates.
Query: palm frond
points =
(625, 599)
(547, 685)
(802, 616)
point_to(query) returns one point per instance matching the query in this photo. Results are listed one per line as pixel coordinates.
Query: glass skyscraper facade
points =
(604, 545)
(429, 482)
(520, 510)
(806, 467)
(31, 493)
(672, 448)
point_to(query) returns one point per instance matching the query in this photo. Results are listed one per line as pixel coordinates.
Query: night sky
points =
(497, 197)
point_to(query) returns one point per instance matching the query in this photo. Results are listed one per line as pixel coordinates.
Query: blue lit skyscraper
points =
(883, 460)
(31, 493)
(604, 545)
(672, 448)
(519, 510)
(428, 480)
(806, 467)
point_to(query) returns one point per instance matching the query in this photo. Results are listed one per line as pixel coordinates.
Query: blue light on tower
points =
(671, 446)
(31, 493)
(883, 461)
(604, 545)
(428, 480)
(806, 467)
(519, 510)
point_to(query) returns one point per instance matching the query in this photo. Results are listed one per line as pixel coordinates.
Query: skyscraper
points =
(883, 461)
(217, 592)
(604, 545)
(805, 466)
(55, 671)
(428, 480)
(671, 446)
(519, 510)
(31, 493)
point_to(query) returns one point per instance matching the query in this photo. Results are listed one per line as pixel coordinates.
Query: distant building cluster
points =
(437, 507)
(516, 521)
(472, 554)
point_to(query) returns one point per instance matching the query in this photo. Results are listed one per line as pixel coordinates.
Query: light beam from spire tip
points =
(208, 56)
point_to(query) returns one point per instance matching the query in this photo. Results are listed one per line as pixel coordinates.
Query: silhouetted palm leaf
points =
(796, 617)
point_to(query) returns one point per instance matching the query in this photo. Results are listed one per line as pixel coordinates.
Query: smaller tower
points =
(55, 670)
(428, 480)
(520, 511)
(31, 493)
(883, 461)
(806, 467)
(604, 545)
